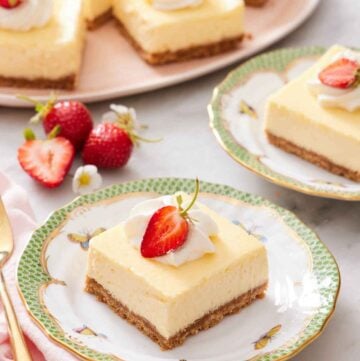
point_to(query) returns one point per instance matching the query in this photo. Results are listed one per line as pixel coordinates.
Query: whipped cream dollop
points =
(28, 15)
(198, 242)
(327, 96)
(168, 5)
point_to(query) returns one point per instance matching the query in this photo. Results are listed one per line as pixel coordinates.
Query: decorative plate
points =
(304, 281)
(237, 115)
(119, 71)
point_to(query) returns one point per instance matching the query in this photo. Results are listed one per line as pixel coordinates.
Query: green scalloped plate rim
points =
(32, 276)
(277, 61)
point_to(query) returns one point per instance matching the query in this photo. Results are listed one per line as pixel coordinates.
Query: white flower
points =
(120, 112)
(86, 179)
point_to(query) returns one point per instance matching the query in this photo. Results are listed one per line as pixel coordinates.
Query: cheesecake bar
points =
(97, 12)
(170, 36)
(169, 299)
(320, 122)
(48, 56)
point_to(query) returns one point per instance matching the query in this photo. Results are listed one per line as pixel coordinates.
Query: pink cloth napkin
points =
(23, 223)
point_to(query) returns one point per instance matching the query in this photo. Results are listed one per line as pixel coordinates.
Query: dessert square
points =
(183, 292)
(97, 12)
(44, 57)
(169, 36)
(317, 128)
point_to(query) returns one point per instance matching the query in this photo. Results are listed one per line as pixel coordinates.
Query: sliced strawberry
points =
(166, 231)
(341, 74)
(47, 161)
(10, 4)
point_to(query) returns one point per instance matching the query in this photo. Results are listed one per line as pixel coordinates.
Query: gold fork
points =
(20, 350)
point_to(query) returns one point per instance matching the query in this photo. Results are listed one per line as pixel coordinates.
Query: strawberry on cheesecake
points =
(316, 116)
(176, 267)
(41, 43)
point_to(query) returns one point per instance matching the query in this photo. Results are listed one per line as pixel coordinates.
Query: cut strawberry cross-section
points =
(167, 231)
(341, 74)
(168, 228)
(47, 161)
(9, 4)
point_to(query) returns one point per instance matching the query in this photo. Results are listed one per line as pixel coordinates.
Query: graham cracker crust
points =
(204, 323)
(99, 21)
(256, 2)
(312, 157)
(65, 83)
(195, 52)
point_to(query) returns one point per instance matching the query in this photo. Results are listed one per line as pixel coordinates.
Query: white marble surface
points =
(189, 150)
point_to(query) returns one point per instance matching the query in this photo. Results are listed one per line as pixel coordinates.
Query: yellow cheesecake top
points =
(234, 246)
(160, 31)
(96, 8)
(297, 97)
(207, 9)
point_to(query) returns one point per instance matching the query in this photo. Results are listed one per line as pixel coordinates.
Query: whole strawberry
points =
(47, 161)
(73, 117)
(10, 4)
(110, 144)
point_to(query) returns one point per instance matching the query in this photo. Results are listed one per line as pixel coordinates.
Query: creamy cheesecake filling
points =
(172, 298)
(294, 114)
(95, 8)
(310, 135)
(51, 52)
(159, 31)
(167, 314)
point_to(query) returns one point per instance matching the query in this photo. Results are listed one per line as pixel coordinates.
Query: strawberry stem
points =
(29, 134)
(28, 99)
(41, 109)
(179, 201)
(137, 138)
(55, 132)
(187, 209)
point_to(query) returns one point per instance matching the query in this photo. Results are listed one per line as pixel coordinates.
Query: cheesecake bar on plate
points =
(174, 268)
(41, 43)
(316, 116)
(97, 12)
(165, 31)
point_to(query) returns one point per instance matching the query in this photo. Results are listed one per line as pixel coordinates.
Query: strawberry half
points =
(47, 161)
(168, 229)
(341, 74)
(10, 4)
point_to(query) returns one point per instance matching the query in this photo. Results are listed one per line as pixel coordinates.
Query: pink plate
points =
(112, 68)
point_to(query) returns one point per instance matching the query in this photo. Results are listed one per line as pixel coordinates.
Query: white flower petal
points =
(109, 117)
(94, 179)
